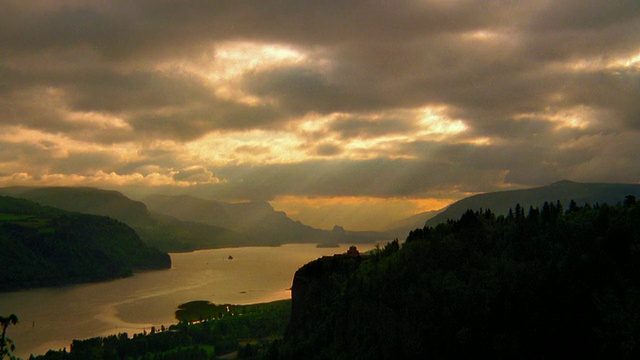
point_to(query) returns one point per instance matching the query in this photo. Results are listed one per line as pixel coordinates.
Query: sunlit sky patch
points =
(335, 112)
(354, 212)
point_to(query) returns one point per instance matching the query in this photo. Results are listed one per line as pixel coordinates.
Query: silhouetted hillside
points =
(257, 220)
(185, 223)
(565, 191)
(85, 200)
(165, 233)
(551, 282)
(43, 246)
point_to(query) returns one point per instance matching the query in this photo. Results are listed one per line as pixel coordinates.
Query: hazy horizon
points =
(336, 113)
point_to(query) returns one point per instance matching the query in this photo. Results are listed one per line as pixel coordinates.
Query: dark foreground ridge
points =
(542, 283)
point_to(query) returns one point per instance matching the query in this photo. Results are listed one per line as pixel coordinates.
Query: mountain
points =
(551, 285)
(185, 223)
(85, 200)
(163, 232)
(258, 220)
(500, 202)
(44, 246)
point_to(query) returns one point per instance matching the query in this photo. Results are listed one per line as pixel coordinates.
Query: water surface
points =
(51, 318)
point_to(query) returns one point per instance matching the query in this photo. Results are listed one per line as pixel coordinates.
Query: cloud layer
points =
(268, 99)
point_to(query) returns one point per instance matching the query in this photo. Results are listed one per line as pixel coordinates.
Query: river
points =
(50, 318)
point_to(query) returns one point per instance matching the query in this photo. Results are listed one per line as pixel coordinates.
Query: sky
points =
(354, 113)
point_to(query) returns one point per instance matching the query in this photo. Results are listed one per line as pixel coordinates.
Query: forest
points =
(44, 246)
(537, 283)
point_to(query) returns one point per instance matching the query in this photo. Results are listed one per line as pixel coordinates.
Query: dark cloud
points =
(83, 163)
(362, 127)
(328, 149)
(545, 90)
(114, 92)
(120, 28)
(299, 89)
(193, 122)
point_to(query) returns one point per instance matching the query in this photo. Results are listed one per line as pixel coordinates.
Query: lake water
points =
(51, 318)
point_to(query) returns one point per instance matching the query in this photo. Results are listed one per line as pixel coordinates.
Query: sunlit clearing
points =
(480, 35)
(602, 63)
(315, 124)
(223, 62)
(256, 146)
(236, 58)
(578, 117)
(435, 122)
(481, 141)
(222, 65)
(587, 65)
(633, 62)
(380, 147)
(354, 213)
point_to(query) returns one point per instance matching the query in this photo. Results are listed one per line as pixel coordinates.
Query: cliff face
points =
(319, 303)
(318, 282)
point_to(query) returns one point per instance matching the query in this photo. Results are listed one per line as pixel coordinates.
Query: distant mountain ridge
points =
(501, 201)
(258, 220)
(86, 200)
(185, 223)
(45, 246)
(237, 216)
(165, 233)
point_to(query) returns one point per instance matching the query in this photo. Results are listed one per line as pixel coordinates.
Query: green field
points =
(201, 310)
